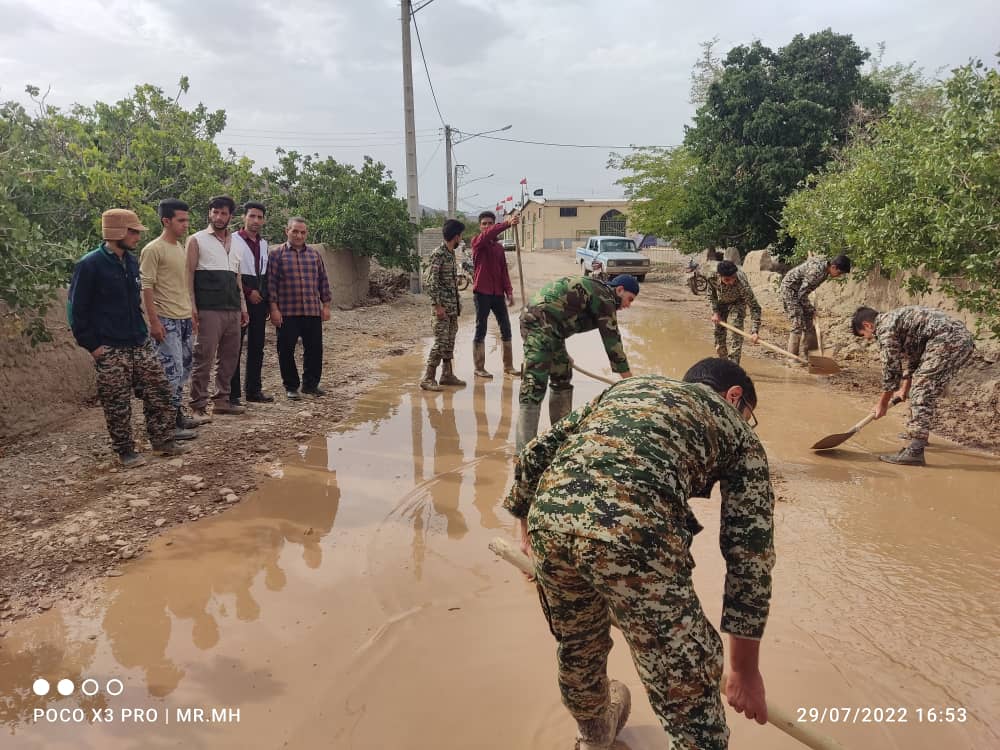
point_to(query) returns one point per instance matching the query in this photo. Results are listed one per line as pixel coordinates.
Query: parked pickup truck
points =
(606, 257)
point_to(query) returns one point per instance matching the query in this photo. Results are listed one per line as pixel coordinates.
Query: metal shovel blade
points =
(822, 365)
(832, 441)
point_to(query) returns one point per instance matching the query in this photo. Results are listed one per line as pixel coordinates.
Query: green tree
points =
(769, 120)
(923, 190)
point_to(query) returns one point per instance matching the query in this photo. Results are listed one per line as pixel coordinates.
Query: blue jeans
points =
(485, 304)
(175, 352)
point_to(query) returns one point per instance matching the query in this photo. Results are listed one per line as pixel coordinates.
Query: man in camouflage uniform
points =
(106, 317)
(729, 291)
(602, 499)
(794, 291)
(573, 304)
(442, 288)
(920, 347)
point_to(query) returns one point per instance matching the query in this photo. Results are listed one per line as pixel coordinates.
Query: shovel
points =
(832, 441)
(823, 365)
(817, 368)
(776, 716)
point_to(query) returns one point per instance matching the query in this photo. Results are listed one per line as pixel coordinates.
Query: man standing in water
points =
(442, 288)
(794, 291)
(729, 291)
(922, 348)
(570, 305)
(492, 290)
(602, 500)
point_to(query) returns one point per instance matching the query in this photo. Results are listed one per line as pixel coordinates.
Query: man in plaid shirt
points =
(300, 301)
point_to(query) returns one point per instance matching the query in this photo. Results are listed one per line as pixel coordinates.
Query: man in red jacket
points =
(492, 290)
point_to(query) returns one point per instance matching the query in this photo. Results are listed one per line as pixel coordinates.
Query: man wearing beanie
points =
(105, 314)
(442, 288)
(570, 305)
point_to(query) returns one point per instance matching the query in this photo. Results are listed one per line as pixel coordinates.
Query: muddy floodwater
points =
(352, 602)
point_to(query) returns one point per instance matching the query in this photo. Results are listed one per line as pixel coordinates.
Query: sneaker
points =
(180, 434)
(260, 398)
(170, 448)
(229, 407)
(317, 391)
(235, 401)
(600, 734)
(293, 395)
(905, 457)
(131, 459)
(200, 416)
(185, 422)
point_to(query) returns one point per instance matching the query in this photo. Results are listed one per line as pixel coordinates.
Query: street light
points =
(452, 173)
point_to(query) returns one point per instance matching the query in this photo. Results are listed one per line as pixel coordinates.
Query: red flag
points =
(508, 199)
(524, 181)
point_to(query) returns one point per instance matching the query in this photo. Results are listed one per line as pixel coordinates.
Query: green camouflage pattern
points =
(677, 653)
(622, 468)
(795, 289)
(442, 280)
(734, 299)
(122, 371)
(574, 304)
(927, 345)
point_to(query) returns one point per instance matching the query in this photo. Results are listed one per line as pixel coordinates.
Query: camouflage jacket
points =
(802, 280)
(575, 304)
(902, 335)
(622, 468)
(740, 294)
(442, 280)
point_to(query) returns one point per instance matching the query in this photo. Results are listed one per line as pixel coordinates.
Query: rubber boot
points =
(527, 424)
(911, 455)
(793, 343)
(600, 734)
(508, 360)
(560, 403)
(721, 352)
(447, 376)
(429, 383)
(479, 358)
(810, 342)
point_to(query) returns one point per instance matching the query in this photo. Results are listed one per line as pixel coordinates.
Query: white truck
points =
(607, 257)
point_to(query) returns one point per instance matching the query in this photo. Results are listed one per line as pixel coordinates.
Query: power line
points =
(565, 145)
(428, 162)
(420, 46)
(348, 134)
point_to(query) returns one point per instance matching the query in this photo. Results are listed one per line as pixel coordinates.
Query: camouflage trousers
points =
(444, 340)
(676, 652)
(942, 359)
(800, 313)
(122, 371)
(175, 353)
(545, 358)
(735, 349)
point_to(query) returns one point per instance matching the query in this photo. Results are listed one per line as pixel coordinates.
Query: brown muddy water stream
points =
(352, 601)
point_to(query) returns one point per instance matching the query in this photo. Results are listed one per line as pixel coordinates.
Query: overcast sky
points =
(325, 75)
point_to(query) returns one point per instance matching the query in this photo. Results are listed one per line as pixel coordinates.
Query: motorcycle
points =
(696, 282)
(465, 272)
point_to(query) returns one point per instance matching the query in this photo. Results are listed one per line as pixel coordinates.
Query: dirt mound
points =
(385, 285)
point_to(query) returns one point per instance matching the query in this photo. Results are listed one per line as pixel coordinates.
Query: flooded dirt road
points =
(352, 602)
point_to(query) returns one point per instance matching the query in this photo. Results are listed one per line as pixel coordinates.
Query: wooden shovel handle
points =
(520, 268)
(765, 344)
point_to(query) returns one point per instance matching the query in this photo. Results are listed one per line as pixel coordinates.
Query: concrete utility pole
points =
(450, 172)
(412, 199)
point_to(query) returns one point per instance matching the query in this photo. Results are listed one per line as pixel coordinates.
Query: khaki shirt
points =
(163, 268)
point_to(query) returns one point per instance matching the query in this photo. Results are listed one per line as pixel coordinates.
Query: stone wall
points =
(41, 385)
(349, 276)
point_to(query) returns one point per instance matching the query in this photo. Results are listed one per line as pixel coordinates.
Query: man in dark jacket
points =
(105, 314)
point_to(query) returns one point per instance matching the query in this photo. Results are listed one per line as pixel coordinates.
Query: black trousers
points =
(253, 338)
(486, 304)
(309, 328)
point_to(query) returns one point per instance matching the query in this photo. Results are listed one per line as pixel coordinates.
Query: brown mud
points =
(351, 601)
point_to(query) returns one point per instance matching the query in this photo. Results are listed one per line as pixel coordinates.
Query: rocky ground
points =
(69, 515)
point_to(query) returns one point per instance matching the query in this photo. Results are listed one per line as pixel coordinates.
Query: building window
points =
(567, 211)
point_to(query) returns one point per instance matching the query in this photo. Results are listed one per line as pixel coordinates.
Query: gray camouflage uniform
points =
(795, 289)
(735, 298)
(605, 494)
(928, 346)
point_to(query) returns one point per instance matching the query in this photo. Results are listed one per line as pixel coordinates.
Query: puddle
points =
(353, 603)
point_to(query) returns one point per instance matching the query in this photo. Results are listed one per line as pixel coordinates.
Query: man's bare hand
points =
(255, 297)
(194, 321)
(325, 315)
(276, 319)
(515, 219)
(99, 352)
(745, 693)
(157, 331)
(510, 300)
(715, 317)
(440, 312)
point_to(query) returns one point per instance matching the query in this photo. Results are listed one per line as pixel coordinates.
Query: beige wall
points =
(543, 226)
